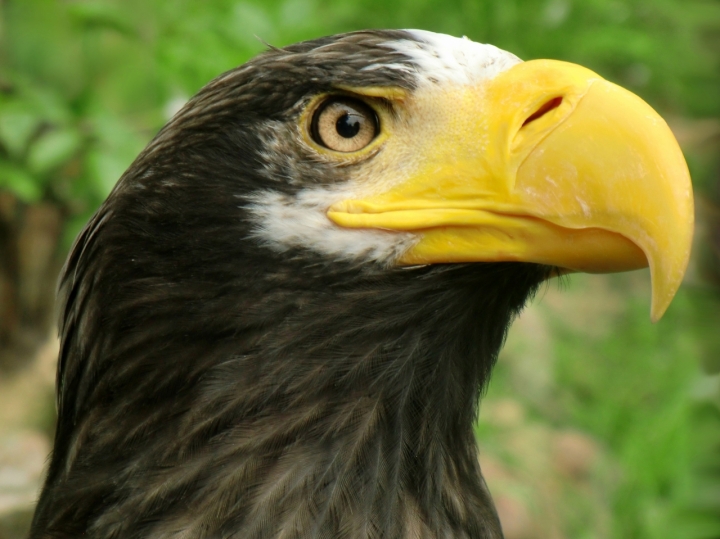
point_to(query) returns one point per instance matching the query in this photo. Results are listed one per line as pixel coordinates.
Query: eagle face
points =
(404, 74)
(279, 322)
(406, 148)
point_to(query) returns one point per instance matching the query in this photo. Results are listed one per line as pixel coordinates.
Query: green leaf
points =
(17, 125)
(53, 149)
(20, 182)
(105, 168)
(101, 15)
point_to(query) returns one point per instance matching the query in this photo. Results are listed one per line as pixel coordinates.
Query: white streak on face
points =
(284, 222)
(446, 59)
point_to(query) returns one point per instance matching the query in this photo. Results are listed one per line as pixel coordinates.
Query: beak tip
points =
(659, 304)
(662, 296)
(656, 315)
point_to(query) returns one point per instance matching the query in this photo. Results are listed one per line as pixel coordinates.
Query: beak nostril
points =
(548, 106)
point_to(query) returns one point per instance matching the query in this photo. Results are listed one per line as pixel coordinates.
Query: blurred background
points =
(598, 424)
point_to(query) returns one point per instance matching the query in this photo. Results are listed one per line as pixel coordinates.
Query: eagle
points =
(280, 322)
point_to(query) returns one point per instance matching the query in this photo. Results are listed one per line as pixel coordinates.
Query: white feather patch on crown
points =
(446, 59)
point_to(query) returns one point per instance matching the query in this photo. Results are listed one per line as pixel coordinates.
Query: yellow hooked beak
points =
(545, 163)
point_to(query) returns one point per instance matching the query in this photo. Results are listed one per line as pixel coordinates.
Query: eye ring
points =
(344, 124)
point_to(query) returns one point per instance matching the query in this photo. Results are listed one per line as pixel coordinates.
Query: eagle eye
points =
(344, 124)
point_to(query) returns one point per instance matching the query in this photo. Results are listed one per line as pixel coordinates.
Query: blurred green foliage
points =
(84, 84)
(637, 388)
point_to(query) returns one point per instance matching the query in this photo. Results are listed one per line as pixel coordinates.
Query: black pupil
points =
(348, 125)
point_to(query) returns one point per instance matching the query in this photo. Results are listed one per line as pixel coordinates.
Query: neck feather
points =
(315, 406)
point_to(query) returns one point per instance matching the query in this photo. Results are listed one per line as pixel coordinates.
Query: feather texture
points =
(212, 387)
